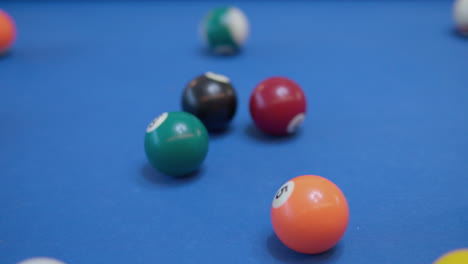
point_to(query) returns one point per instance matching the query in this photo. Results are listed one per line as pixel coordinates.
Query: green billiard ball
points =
(224, 30)
(176, 143)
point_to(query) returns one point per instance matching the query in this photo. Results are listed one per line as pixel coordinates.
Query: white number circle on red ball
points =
(295, 123)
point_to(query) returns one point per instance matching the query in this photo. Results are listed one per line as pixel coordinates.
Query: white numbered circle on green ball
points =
(224, 29)
(239, 25)
(156, 122)
(41, 260)
(283, 194)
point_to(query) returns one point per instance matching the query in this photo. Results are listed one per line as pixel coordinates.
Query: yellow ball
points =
(459, 256)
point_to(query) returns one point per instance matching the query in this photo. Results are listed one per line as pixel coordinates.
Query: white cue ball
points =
(41, 260)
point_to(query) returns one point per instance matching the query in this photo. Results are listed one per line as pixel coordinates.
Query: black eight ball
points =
(212, 99)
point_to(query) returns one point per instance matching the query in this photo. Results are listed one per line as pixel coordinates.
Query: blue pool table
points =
(387, 105)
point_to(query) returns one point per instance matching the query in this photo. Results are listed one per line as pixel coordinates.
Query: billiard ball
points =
(41, 260)
(7, 32)
(278, 105)
(460, 13)
(176, 143)
(212, 98)
(458, 256)
(224, 30)
(309, 214)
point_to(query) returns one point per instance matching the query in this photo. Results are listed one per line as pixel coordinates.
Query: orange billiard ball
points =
(309, 214)
(7, 32)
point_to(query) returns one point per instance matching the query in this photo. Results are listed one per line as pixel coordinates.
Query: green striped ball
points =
(224, 30)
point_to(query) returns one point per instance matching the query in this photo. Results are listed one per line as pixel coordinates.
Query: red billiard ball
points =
(309, 214)
(278, 106)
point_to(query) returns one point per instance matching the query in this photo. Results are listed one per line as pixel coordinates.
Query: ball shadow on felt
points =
(154, 176)
(207, 53)
(5, 55)
(255, 133)
(222, 132)
(459, 35)
(280, 252)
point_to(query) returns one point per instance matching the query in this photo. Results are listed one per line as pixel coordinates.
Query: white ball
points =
(460, 15)
(41, 260)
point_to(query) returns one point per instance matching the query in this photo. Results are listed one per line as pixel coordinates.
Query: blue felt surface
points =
(387, 87)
